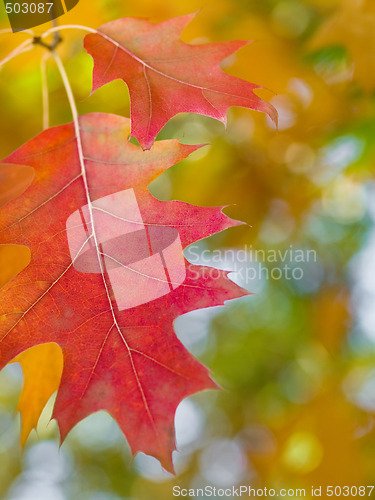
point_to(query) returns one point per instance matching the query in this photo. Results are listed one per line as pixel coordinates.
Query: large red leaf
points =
(166, 76)
(107, 277)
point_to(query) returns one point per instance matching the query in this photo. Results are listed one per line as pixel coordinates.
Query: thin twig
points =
(73, 107)
(66, 27)
(38, 40)
(23, 47)
(45, 97)
(74, 111)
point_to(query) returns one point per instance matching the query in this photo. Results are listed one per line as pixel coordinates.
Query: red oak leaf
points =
(107, 277)
(166, 76)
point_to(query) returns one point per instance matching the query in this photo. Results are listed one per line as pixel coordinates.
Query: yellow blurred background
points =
(297, 359)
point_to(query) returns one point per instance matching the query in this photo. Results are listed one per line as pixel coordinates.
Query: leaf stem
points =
(56, 37)
(68, 26)
(74, 111)
(23, 47)
(45, 97)
(72, 103)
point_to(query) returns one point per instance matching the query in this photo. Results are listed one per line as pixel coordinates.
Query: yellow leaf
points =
(42, 367)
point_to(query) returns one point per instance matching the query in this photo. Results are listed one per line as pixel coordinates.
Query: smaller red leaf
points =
(166, 76)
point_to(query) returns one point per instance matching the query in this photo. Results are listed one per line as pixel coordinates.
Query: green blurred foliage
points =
(296, 359)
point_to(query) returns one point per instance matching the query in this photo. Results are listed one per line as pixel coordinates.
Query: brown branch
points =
(57, 39)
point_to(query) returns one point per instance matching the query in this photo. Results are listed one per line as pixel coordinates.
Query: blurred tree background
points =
(297, 359)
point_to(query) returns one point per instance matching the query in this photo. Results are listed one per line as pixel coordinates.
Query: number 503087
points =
(28, 8)
(352, 491)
